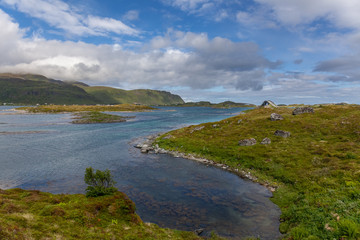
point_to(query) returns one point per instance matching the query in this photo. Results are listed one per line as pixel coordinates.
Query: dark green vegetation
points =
(100, 183)
(110, 95)
(37, 89)
(316, 170)
(37, 215)
(97, 117)
(85, 108)
(227, 104)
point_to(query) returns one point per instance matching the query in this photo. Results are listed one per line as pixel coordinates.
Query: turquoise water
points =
(47, 153)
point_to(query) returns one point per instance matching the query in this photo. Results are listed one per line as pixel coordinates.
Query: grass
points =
(37, 215)
(316, 171)
(97, 117)
(85, 108)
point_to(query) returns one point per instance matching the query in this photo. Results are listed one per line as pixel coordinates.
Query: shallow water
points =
(46, 152)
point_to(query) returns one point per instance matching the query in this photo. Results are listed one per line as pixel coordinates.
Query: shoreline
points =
(148, 147)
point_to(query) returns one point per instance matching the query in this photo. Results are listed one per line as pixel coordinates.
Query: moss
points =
(316, 170)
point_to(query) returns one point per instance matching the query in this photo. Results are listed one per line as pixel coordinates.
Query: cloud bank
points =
(178, 59)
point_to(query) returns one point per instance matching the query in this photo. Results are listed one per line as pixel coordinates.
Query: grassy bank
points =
(36, 215)
(86, 108)
(316, 170)
(97, 117)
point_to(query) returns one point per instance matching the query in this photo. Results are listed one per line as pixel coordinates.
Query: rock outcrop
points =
(276, 117)
(247, 142)
(301, 110)
(266, 141)
(282, 133)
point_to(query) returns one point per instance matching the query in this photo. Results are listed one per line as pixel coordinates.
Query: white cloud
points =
(132, 15)
(60, 15)
(342, 13)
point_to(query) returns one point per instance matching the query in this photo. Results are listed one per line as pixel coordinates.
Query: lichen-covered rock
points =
(266, 141)
(247, 142)
(301, 110)
(276, 117)
(282, 133)
(197, 129)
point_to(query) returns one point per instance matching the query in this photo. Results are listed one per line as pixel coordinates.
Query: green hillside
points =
(37, 89)
(142, 96)
(315, 168)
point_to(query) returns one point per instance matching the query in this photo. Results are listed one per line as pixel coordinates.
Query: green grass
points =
(97, 117)
(85, 108)
(316, 170)
(37, 215)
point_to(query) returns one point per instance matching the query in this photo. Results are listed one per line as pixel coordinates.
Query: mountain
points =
(38, 89)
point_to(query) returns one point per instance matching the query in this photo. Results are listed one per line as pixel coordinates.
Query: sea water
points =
(48, 153)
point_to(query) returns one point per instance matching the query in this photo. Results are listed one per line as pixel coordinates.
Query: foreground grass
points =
(316, 170)
(36, 215)
(85, 108)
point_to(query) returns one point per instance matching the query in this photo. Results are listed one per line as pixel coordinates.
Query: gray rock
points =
(215, 125)
(276, 117)
(168, 136)
(239, 121)
(247, 142)
(266, 141)
(281, 133)
(197, 129)
(301, 110)
(199, 231)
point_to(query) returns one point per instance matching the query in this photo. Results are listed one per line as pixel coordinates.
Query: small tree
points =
(100, 183)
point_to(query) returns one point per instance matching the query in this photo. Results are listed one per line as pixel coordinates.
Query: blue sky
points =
(289, 51)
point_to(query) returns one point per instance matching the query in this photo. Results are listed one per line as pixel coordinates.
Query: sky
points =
(288, 51)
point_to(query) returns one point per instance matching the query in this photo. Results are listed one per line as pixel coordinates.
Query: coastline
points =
(149, 147)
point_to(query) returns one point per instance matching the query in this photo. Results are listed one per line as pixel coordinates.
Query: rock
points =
(239, 121)
(197, 129)
(276, 117)
(215, 125)
(301, 110)
(168, 136)
(199, 231)
(266, 141)
(247, 142)
(281, 133)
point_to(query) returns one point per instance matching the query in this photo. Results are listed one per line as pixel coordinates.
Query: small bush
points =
(100, 183)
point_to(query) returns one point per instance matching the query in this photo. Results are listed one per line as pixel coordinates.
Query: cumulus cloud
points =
(59, 14)
(178, 59)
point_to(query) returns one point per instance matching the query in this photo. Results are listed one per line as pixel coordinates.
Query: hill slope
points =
(316, 170)
(33, 89)
(143, 96)
(37, 89)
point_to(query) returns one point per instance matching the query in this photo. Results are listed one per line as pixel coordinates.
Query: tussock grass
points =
(316, 170)
(37, 215)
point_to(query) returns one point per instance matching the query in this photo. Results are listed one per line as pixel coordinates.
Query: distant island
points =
(31, 89)
(226, 104)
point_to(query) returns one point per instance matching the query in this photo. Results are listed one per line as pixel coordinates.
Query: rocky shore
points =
(149, 147)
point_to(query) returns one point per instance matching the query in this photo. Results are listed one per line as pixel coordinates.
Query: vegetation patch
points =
(86, 108)
(316, 170)
(97, 117)
(37, 215)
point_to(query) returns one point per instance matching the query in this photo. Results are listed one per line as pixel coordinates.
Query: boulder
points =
(281, 133)
(266, 141)
(197, 129)
(301, 110)
(276, 117)
(247, 142)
